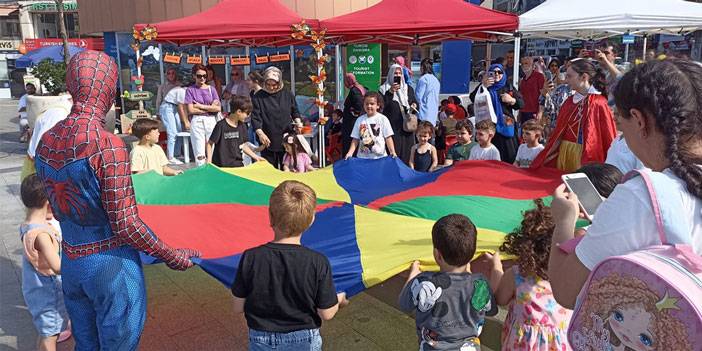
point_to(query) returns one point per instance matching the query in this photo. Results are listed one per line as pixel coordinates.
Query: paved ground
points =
(186, 310)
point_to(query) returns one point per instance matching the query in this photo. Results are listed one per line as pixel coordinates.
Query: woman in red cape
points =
(585, 127)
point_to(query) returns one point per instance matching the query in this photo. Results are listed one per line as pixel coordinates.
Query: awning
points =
(7, 10)
(419, 22)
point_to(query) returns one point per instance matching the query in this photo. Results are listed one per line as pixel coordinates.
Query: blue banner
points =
(456, 62)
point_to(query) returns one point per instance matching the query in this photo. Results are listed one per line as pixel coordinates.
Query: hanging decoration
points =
(280, 57)
(261, 59)
(240, 61)
(172, 58)
(301, 31)
(216, 60)
(194, 59)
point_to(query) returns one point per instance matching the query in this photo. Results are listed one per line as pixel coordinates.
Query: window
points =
(10, 29)
(46, 25)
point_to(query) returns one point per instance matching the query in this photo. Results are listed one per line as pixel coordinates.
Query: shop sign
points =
(363, 60)
(139, 95)
(51, 7)
(86, 43)
(9, 45)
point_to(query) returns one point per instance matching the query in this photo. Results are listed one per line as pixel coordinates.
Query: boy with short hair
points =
(229, 136)
(527, 152)
(284, 289)
(451, 304)
(484, 132)
(461, 149)
(147, 155)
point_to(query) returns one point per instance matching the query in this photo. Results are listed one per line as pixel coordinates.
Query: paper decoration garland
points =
(172, 58)
(194, 59)
(216, 60)
(240, 61)
(299, 32)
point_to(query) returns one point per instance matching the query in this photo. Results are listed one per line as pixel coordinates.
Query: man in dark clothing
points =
(273, 110)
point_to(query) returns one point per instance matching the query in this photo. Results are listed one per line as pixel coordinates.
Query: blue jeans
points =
(171, 119)
(306, 339)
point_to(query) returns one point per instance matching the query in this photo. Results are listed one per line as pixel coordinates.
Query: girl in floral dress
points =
(535, 320)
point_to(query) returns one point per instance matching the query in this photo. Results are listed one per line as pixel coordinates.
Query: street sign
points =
(139, 96)
(628, 39)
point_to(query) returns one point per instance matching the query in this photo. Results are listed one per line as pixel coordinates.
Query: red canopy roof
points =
(233, 23)
(419, 22)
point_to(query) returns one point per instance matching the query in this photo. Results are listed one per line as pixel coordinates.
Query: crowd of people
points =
(585, 116)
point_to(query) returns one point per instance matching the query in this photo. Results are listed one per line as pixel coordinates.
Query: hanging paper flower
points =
(323, 120)
(321, 91)
(136, 34)
(320, 78)
(298, 35)
(318, 35)
(149, 33)
(323, 60)
(319, 45)
(135, 46)
(320, 103)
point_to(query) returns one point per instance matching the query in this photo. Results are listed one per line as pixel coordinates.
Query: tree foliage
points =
(52, 75)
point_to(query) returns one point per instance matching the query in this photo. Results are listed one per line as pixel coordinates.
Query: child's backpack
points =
(649, 299)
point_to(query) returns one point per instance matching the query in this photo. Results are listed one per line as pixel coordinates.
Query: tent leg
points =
(515, 72)
(488, 56)
(626, 53)
(643, 56)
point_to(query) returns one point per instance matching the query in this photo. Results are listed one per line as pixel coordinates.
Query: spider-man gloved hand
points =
(182, 259)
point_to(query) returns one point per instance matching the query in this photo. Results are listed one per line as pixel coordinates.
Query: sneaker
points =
(175, 161)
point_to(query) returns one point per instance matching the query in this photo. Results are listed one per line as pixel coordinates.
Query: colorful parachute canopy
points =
(373, 216)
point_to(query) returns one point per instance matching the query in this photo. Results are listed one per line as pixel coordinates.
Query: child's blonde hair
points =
(485, 125)
(291, 207)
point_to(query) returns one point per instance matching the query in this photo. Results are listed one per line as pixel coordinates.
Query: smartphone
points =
(397, 80)
(491, 75)
(588, 196)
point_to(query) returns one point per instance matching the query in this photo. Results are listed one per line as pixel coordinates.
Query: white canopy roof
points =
(596, 19)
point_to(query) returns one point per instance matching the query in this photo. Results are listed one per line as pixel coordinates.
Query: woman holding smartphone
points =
(399, 99)
(659, 106)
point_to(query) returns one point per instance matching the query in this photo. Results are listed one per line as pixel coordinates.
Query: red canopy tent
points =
(419, 22)
(233, 23)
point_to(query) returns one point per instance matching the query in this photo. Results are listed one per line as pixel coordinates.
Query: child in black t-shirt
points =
(285, 289)
(229, 136)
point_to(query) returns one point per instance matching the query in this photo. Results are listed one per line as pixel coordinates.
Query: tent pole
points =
(643, 56)
(488, 56)
(515, 69)
(626, 53)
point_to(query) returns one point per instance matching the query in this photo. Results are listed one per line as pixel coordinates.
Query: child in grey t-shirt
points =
(451, 304)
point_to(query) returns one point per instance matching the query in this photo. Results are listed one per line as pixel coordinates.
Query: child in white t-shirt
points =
(531, 133)
(484, 132)
(372, 131)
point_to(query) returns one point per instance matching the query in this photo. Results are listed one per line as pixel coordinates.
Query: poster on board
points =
(363, 60)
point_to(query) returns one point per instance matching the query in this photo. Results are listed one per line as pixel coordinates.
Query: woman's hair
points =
(596, 74)
(670, 91)
(198, 67)
(256, 76)
(531, 242)
(427, 66)
(378, 98)
(613, 292)
(425, 126)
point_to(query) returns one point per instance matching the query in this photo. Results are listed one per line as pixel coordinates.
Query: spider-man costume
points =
(87, 176)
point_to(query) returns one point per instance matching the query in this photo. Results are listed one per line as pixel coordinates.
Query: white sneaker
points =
(175, 161)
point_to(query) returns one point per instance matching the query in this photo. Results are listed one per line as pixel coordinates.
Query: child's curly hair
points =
(531, 242)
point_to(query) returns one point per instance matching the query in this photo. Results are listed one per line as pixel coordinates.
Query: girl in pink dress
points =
(535, 320)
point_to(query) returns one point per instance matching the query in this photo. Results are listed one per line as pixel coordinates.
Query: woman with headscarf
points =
(353, 107)
(274, 109)
(504, 99)
(406, 72)
(399, 99)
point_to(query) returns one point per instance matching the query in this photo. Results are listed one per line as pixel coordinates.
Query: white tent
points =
(597, 19)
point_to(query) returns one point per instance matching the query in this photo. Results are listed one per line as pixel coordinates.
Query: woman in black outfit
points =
(506, 138)
(399, 97)
(353, 107)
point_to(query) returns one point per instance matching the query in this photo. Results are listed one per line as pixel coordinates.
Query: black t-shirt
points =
(284, 285)
(227, 140)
